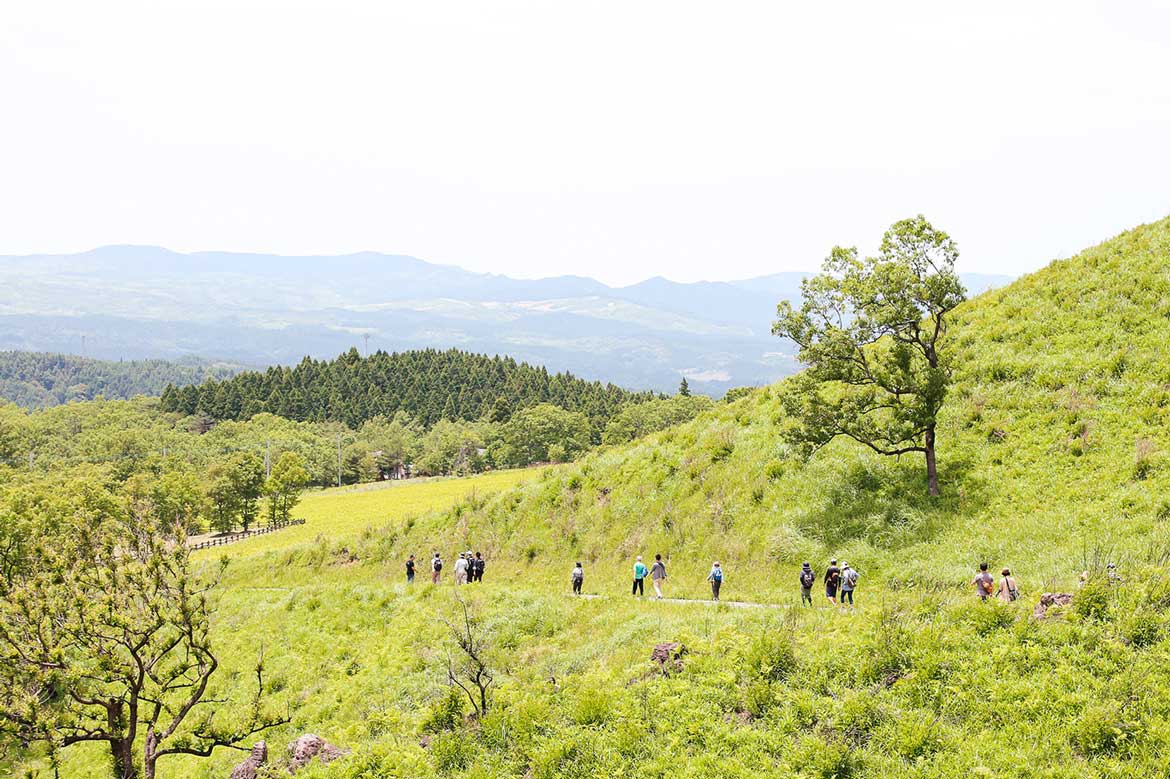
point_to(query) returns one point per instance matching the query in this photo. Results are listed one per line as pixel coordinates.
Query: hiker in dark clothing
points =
(807, 579)
(984, 583)
(832, 581)
(658, 575)
(578, 579)
(410, 569)
(716, 579)
(477, 566)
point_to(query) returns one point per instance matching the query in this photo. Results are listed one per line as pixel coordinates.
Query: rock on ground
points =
(1050, 599)
(310, 746)
(249, 768)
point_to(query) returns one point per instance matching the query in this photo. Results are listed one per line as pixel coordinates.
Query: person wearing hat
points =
(832, 580)
(807, 580)
(716, 579)
(848, 584)
(640, 572)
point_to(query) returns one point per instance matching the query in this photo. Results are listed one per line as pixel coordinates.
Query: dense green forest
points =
(40, 380)
(429, 385)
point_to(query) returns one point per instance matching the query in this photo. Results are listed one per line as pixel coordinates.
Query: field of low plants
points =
(1053, 461)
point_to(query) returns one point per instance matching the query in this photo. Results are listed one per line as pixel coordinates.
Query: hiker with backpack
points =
(476, 568)
(436, 568)
(807, 579)
(832, 581)
(849, 578)
(984, 583)
(716, 579)
(658, 575)
(640, 573)
(410, 570)
(578, 578)
(461, 569)
(1008, 591)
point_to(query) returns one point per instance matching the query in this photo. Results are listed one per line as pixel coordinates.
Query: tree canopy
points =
(869, 332)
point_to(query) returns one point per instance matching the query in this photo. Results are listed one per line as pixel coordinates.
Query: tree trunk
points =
(122, 751)
(931, 467)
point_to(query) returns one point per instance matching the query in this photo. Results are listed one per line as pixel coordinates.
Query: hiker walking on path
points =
(984, 583)
(716, 579)
(832, 580)
(807, 580)
(1008, 591)
(410, 570)
(477, 566)
(848, 584)
(461, 569)
(640, 572)
(436, 568)
(658, 575)
(578, 579)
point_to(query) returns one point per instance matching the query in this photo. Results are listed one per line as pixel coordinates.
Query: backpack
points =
(987, 585)
(807, 578)
(437, 565)
(717, 574)
(852, 578)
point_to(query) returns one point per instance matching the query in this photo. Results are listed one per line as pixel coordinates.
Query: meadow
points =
(1053, 461)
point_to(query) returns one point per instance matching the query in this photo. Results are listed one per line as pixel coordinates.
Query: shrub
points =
(445, 714)
(452, 752)
(771, 655)
(593, 706)
(1092, 602)
(990, 616)
(1145, 456)
(1142, 628)
(1102, 729)
(774, 470)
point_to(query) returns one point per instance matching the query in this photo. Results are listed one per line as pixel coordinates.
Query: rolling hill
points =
(1053, 457)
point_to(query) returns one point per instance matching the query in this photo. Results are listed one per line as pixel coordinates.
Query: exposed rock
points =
(310, 746)
(249, 768)
(669, 656)
(1050, 599)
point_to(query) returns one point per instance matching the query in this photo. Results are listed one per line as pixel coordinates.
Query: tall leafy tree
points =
(870, 333)
(104, 637)
(284, 485)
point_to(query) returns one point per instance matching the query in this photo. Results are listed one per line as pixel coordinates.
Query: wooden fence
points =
(230, 537)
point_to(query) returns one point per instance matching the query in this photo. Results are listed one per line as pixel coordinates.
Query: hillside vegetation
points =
(1052, 461)
(429, 385)
(40, 380)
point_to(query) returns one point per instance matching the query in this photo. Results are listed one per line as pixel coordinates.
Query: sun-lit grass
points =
(1054, 448)
(343, 513)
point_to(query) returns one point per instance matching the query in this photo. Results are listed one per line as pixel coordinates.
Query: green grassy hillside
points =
(1053, 460)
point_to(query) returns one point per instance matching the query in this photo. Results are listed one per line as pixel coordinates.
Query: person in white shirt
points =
(461, 569)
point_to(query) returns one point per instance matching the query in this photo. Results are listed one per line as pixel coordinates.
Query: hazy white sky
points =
(618, 140)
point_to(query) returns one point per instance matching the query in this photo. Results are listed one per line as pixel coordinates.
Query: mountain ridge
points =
(264, 309)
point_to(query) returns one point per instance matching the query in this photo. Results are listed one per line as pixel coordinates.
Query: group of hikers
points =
(985, 586)
(657, 574)
(840, 581)
(468, 568)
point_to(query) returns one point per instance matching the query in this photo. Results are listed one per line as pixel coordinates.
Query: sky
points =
(618, 140)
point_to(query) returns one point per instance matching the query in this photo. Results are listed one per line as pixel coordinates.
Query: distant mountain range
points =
(133, 302)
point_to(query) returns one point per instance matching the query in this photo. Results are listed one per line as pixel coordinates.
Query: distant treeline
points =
(41, 380)
(429, 385)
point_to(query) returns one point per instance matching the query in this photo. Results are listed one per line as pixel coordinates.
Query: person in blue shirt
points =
(640, 573)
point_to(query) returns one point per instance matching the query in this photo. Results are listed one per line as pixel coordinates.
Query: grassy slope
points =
(1060, 376)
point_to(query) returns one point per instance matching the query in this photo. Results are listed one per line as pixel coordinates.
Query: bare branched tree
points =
(467, 665)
